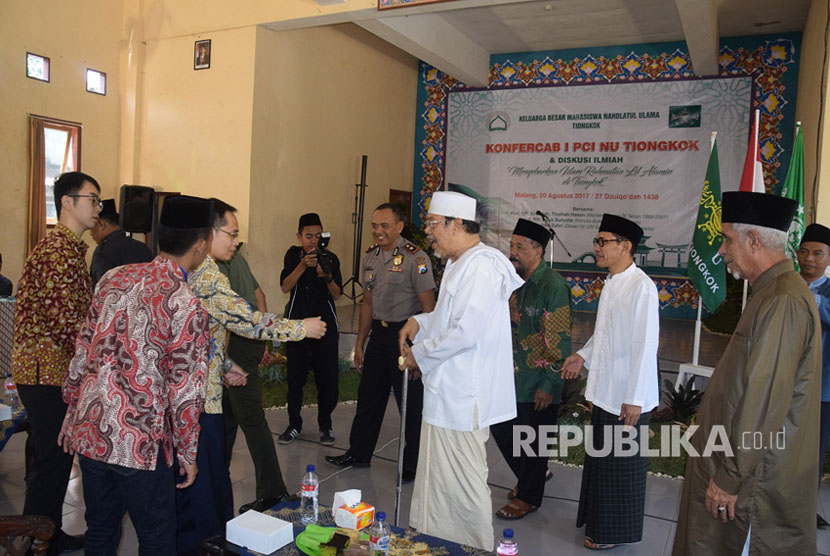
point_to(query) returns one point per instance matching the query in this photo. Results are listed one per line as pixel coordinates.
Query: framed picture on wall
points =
(201, 55)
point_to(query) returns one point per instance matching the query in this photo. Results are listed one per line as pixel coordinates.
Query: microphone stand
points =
(554, 236)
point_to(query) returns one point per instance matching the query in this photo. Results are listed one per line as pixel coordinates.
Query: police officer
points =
(398, 282)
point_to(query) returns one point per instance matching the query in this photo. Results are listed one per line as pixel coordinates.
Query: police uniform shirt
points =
(395, 278)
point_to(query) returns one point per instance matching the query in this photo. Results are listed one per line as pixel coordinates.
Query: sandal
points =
(516, 509)
(591, 545)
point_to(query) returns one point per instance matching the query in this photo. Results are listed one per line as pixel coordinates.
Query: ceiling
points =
(561, 24)
(459, 36)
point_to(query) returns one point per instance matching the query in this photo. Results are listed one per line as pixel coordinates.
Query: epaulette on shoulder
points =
(411, 247)
(371, 247)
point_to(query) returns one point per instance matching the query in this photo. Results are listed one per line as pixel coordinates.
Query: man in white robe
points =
(621, 357)
(464, 351)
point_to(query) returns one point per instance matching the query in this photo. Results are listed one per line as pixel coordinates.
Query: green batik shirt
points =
(540, 317)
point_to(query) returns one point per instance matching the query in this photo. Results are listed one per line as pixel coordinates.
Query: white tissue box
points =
(346, 498)
(5, 412)
(260, 532)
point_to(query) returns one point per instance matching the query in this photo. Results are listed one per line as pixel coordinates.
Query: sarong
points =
(613, 496)
(451, 499)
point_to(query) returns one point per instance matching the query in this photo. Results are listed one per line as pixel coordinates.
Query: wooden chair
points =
(16, 530)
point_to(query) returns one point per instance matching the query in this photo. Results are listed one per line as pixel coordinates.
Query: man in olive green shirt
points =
(540, 314)
(242, 405)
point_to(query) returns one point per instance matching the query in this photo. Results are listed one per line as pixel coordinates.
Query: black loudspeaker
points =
(136, 208)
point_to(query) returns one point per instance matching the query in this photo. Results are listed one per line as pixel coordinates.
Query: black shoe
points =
(548, 475)
(326, 437)
(62, 543)
(346, 460)
(407, 476)
(260, 504)
(289, 435)
(73, 543)
(821, 523)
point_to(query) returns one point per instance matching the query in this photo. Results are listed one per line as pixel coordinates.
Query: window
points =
(61, 154)
(96, 82)
(37, 67)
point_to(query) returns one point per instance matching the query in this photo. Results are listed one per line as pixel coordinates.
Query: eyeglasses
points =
(96, 200)
(601, 241)
(234, 235)
(429, 224)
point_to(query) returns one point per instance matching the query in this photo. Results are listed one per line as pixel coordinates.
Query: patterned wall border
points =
(678, 298)
(766, 59)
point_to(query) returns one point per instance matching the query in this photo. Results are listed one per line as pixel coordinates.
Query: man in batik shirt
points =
(540, 314)
(136, 386)
(53, 296)
(203, 510)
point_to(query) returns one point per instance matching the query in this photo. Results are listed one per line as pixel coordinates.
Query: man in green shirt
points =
(540, 314)
(242, 405)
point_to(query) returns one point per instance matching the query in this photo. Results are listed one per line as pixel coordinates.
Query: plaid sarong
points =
(613, 495)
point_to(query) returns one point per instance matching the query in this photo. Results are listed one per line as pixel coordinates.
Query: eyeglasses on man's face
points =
(429, 224)
(234, 235)
(601, 241)
(96, 200)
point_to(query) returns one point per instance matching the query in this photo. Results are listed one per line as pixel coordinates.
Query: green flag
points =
(706, 269)
(794, 189)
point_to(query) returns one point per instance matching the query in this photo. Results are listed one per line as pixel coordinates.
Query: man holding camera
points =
(312, 274)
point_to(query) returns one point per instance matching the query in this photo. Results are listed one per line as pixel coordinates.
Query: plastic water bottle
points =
(379, 536)
(11, 393)
(308, 503)
(507, 546)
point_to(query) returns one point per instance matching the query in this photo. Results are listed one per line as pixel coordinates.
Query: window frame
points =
(73, 148)
(48, 67)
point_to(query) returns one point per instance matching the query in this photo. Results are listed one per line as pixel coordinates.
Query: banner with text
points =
(639, 150)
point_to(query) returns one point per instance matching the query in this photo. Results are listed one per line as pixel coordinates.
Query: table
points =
(401, 538)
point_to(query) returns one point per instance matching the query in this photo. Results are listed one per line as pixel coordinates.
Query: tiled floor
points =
(550, 531)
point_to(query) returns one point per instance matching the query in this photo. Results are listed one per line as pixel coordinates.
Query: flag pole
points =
(698, 322)
(757, 146)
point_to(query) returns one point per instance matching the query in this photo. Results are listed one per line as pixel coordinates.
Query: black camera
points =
(324, 257)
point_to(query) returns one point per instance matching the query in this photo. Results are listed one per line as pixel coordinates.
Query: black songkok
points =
(532, 230)
(184, 211)
(108, 208)
(622, 227)
(758, 209)
(310, 219)
(817, 233)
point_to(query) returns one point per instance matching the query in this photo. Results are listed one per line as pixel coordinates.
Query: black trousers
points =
(319, 356)
(149, 497)
(824, 436)
(530, 471)
(50, 467)
(380, 374)
(242, 407)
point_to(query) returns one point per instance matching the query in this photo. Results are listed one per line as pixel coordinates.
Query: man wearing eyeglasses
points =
(53, 297)
(464, 351)
(621, 357)
(204, 508)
